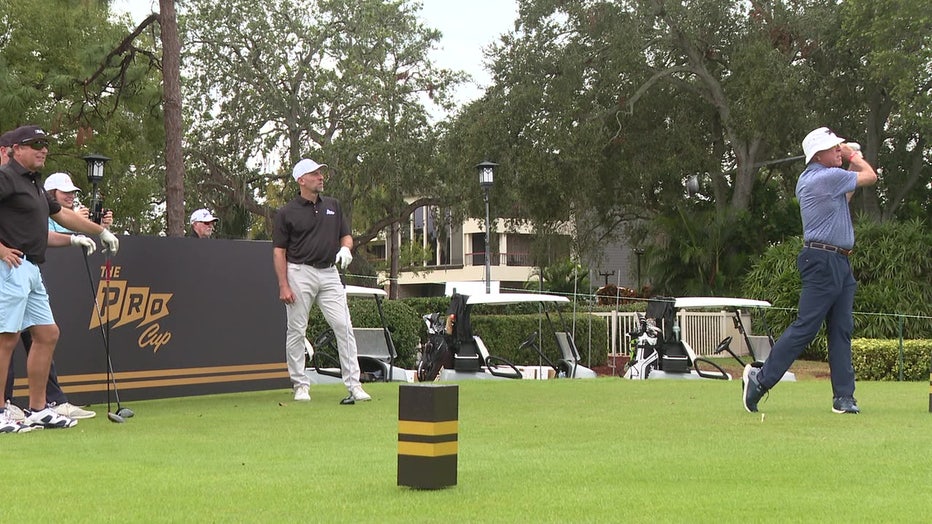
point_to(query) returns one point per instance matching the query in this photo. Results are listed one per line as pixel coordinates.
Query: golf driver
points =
(349, 400)
(122, 413)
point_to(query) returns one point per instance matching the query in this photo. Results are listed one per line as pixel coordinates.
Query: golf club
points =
(349, 400)
(122, 413)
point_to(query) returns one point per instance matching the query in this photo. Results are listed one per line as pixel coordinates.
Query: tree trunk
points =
(171, 92)
(395, 260)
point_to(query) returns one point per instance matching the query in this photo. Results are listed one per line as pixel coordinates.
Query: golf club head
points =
(125, 413)
(115, 418)
(348, 401)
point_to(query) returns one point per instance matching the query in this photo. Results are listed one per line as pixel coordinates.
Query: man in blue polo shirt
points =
(24, 304)
(824, 190)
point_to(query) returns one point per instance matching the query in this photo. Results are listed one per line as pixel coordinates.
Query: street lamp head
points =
(95, 167)
(486, 174)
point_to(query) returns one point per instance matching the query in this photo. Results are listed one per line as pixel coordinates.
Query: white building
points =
(457, 255)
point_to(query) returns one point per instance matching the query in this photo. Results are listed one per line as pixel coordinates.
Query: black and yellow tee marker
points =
(428, 435)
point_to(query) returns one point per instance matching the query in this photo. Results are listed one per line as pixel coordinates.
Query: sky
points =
(467, 26)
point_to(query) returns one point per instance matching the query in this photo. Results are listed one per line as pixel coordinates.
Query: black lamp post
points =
(95, 174)
(486, 179)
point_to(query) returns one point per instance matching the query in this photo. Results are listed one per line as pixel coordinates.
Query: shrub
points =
(876, 359)
(503, 334)
(403, 322)
(892, 263)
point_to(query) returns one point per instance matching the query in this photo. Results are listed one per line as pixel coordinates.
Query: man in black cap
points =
(24, 303)
(54, 395)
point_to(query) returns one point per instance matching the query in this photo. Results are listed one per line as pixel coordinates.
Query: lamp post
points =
(486, 179)
(638, 252)
(95, 174)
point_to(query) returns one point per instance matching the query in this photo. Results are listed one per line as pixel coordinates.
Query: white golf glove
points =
(343, 258)
(111, 243)
(80, 240)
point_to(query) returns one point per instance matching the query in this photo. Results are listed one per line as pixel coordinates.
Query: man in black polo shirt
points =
(309, 238)
(25, 208)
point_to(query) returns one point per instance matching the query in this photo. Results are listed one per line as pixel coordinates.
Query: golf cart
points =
(659, 352)
(374, 347)
(454, 352)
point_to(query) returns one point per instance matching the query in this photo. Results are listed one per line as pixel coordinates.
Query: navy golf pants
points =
(828, 288)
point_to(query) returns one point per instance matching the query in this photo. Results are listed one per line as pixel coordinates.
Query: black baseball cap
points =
(23, 135)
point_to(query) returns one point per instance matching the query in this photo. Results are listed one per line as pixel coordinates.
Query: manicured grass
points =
(604, 450)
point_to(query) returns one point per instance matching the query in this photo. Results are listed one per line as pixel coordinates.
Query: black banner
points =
(184, 316)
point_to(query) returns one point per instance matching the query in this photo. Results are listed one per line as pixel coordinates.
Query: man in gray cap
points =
(24, 304)
(310, 238)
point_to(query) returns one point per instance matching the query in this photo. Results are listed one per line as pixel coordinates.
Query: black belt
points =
(321, 265)
(828, 247)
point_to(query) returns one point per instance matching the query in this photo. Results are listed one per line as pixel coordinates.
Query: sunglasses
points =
(38, 145)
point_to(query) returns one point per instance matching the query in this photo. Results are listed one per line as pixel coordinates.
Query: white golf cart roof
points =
(359, 291)
(698, 302)
(513, 298)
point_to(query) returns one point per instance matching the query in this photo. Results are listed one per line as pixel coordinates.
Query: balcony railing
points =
(500, 259)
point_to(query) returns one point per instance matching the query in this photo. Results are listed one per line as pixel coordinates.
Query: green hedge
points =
(503, 334)
(403, 321)
(878, 359)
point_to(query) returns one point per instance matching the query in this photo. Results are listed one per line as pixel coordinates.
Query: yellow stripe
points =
(425, 449)
(412, 427)
(162, 373)
(165, 382)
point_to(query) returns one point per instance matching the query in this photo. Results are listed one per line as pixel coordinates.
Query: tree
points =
(171, 103)
(342, 81)
(606, 107)
(58, 69)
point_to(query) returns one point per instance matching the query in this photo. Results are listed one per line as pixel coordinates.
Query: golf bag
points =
(654, 345)
(451, 345)
(435, 353)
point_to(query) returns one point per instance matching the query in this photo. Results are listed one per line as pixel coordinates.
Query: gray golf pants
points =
(322, 287)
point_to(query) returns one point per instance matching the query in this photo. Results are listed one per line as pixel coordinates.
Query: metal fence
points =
(702, 331)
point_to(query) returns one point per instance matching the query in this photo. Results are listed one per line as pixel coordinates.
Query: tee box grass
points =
(602, 450)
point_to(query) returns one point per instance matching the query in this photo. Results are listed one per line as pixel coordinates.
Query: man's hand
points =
(110, 241)
(285, 294)
(12, 256)
(80, 240)
(343, 258)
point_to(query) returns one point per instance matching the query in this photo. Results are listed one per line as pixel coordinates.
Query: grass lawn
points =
(603, 450)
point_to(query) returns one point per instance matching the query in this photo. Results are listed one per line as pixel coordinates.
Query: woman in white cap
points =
(824, 190)
(63, 191)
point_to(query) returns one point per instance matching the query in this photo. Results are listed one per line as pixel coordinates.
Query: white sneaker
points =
(71, 411)
(8, 425)
(358, 394)
(13, 412)
(48, 418)
(301, 394)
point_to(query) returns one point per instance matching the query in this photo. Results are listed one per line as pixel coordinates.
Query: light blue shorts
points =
(23, 300)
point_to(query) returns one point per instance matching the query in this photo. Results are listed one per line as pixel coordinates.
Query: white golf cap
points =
(305, 166)
(203, 215)
(61, 182)
(819, 140)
